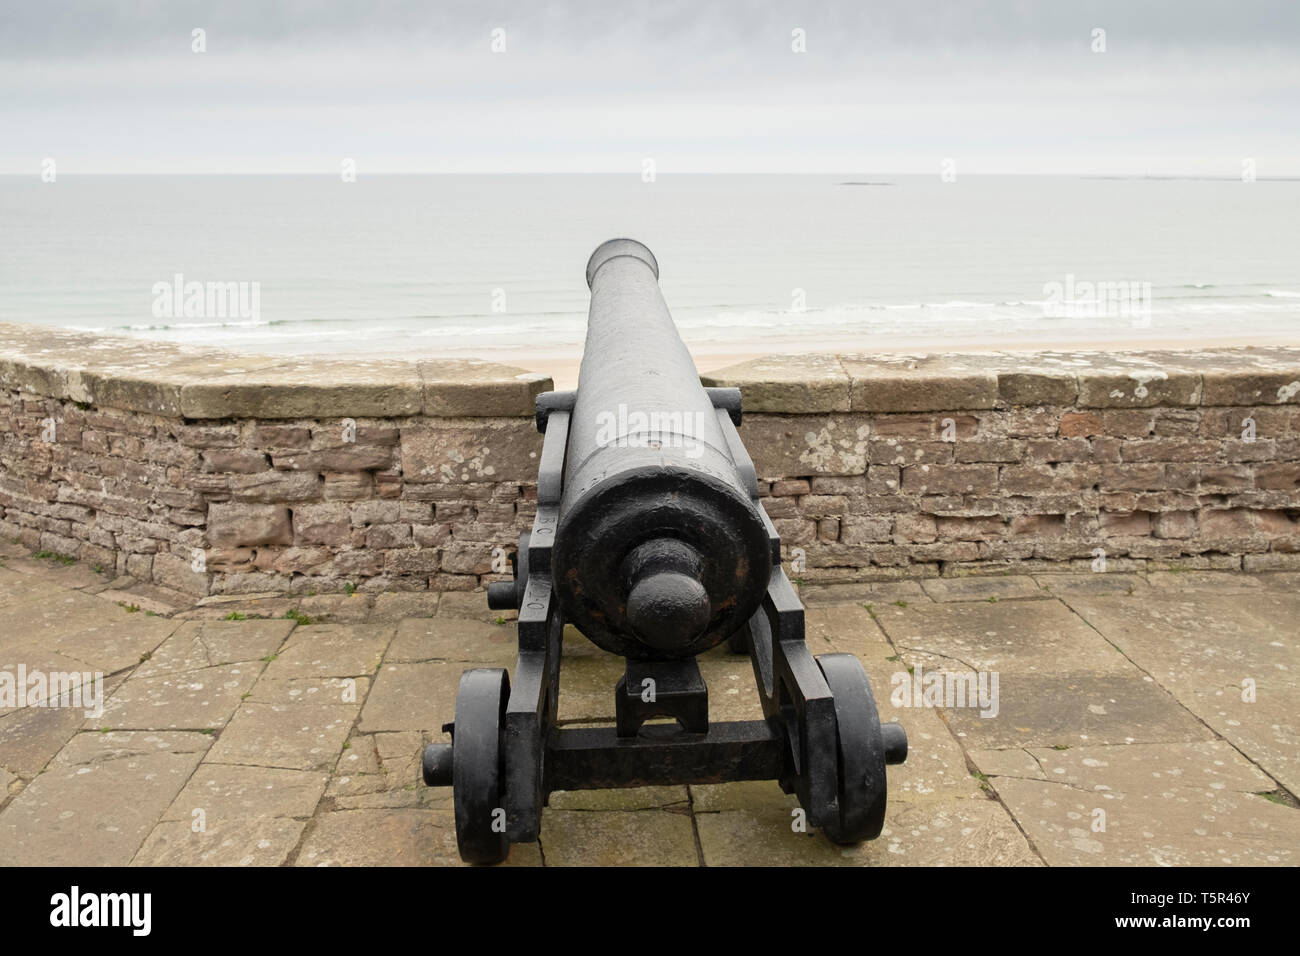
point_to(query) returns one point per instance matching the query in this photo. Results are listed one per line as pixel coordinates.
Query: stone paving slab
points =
(1144, 804)
(1205, 650)
(1042, 637)
(300, 743)
(332, 650)
(250, 607)
(732, 693)
(31, 736)
(378, 771)
(926, 832)
(137, 598)
(58, 675)
(391, 837)
(880, 592)
(453, 639)
(212, 643)
(936, 763)
(1040, 710)
(412, 697)
(587, 685)
(660, 837)
(57, 573)
(1221, 581)
(293, 736)
(98, 799)
(1062, 585)
(234, 816)
(1207, 765)
(471, 605)
(992, 588)
(101, 636)
(741, 795)
(1215, 830)
(309, 690)
(399, 605)
(187, 700)
(257, 841)
(21, 587)
(1288, 581)
(847, 629)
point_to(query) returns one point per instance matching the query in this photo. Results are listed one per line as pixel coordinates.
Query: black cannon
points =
(650, 539)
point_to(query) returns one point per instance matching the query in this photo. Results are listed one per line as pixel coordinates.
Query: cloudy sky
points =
(1183, 87)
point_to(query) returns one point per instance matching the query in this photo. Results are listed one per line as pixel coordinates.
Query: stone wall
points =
(983, 463)
(212, 473)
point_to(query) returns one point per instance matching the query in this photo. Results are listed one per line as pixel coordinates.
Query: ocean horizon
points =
(394, 264)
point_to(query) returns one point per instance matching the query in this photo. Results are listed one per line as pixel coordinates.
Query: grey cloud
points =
(67, 29)
(412, 86)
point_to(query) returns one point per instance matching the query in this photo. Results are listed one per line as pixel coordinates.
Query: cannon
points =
(650, 539)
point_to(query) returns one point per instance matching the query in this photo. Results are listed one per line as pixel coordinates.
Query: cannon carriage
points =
(649, 538)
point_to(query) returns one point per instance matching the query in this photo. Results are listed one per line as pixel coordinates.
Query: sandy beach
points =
(563, 366)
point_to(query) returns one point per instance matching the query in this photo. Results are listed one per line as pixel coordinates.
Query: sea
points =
(461, 264)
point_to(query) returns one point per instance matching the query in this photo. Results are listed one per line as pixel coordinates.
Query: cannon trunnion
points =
(650, 539)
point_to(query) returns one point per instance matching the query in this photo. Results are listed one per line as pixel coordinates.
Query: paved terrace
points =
(275, 730)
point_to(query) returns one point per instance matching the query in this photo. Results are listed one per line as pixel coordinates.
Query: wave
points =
(726, 320)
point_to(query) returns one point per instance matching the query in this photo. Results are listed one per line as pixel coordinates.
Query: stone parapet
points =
(209, 472)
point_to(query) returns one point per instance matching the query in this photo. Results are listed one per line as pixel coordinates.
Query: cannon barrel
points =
(660, 552)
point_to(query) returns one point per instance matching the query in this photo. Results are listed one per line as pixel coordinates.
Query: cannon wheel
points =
(861, 751)
(478, 773)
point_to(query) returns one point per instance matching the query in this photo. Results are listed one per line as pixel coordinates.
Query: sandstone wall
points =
(213, 473)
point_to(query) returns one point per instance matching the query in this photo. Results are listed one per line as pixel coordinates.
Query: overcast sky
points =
(890, 86)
